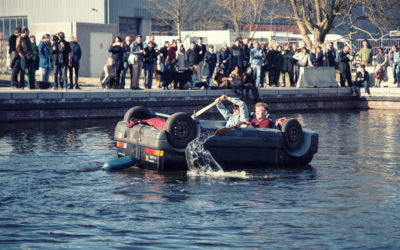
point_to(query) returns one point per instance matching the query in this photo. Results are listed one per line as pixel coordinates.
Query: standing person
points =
(380, 68)
(331, 55)
(62, 53)
(192, 60)
(211, 61)
(181, 61)
(117, 53)
(303, 59)
(365, 53)
(201, 52)
(287, 65)
(395, 62)
(344, 66)
(127, 65)
(54, 55)
(172, 51)
(256, 57)
(150, 56)
(296, 66)
(224, 58)
(35, 57)
(24, 49)
(155, 68)
(14, 57)
(44, 58)
(137, 52)
(246, 51)
(163, 59)
(238, 57)
(73, 64)
(275, 60)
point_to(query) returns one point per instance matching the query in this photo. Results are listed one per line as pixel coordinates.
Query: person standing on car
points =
(24, 49)
(14, 58)
(73, 64)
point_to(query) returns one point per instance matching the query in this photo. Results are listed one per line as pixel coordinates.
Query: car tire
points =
(180, 129)
(138, 113)
(292, 134)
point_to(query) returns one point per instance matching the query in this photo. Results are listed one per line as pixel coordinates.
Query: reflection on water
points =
(55, 195)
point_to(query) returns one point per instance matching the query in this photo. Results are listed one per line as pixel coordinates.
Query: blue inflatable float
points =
(119, 163)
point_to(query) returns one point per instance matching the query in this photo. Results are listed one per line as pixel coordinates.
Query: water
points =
(53, 193)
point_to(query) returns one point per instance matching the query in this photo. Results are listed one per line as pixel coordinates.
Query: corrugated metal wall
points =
(39, 11)
(128, 8)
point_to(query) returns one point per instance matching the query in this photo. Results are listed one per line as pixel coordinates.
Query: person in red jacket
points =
(263, 119)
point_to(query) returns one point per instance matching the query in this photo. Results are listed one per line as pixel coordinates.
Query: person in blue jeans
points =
(395, 62)
(25, 52)
(256, 56)
(44, 58)
(211, 61)
(150, 57)
(127, 65)
(362, 79)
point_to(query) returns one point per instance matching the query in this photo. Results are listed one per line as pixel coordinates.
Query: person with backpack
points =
(73, 62)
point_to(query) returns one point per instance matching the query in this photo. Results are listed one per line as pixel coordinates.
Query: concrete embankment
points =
(17, 105)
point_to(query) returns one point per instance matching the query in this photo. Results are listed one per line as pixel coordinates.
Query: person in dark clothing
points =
(344, 67)
(210, 61)
(287, 65)
(61, 52)
(331, 55)
(238, 57)
(362, 79)
(316, 57)
(73, 64)
(201, 52)
(224, 58)
(192, 58)
(249, 83)
(150, 56)
(127, 65)
(296, 66)
(246, 50)
(117, 51)
(137, 53)
(24, 50)
(14, 58)
(108, 78)
(163, 59)
(275, 60)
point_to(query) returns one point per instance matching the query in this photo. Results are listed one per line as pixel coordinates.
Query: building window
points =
(129, 26)
(8, 25)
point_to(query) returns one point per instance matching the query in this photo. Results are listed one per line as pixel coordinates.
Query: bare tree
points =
(181, 14)
(242, 13)
(384, 14)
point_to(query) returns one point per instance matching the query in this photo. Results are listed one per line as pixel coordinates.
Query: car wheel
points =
(138, 112)
(180, 129)
(292, 134)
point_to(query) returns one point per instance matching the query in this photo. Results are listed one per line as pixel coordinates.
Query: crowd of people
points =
(53, 54)
(242, 67)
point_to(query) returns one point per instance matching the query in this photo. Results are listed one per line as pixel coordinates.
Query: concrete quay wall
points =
(16, 105)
